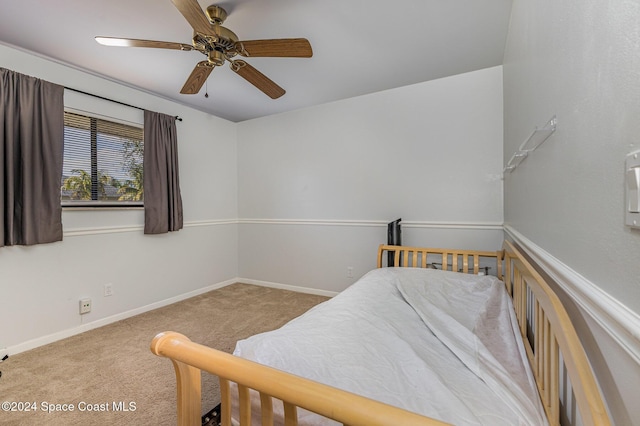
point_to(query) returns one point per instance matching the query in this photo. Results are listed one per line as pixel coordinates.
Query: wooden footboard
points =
(190, 358)
(547, 331)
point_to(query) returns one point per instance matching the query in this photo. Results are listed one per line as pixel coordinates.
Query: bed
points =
(444, 337)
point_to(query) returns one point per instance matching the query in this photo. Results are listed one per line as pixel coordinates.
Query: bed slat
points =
(266, 409)
(290, 415)
(554, 410)
(188, 378)
(225, 402)
(244, 401)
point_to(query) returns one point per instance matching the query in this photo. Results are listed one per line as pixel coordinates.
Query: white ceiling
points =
(359, 46)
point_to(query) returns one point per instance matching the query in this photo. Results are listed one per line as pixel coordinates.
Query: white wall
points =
(40, 286)
(317, 186)
(580, 60)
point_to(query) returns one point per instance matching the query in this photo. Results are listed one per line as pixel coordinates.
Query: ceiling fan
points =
(220, 44)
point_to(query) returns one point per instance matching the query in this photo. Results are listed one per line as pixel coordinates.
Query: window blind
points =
(103, 162)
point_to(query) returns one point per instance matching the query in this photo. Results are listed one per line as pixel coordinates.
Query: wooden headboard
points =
(467, 261)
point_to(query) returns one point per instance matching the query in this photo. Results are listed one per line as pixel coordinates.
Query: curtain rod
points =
(110, 100)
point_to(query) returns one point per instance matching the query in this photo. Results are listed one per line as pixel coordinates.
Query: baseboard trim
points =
(54, 337)
(622, 324)
(297, 289)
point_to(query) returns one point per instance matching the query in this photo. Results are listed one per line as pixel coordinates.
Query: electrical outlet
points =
(108, 290)
(349, 271)
(85, 306)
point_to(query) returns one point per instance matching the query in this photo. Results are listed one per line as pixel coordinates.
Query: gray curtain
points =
(31, 147)
(162, 200)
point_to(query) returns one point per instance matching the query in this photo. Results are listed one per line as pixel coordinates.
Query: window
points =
(102, 162)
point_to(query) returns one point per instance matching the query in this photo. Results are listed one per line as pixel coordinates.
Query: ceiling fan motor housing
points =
(217, 45)
(225, 38)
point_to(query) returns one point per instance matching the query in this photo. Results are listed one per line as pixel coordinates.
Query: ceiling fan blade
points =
(133, 42)
(195, 16)
(258, 79)
(197, 78)
(283, 47)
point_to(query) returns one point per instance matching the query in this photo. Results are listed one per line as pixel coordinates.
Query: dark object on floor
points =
(212, 418)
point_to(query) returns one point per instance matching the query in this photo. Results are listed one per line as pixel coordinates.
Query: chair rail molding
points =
(622, 324)
(496, 226)
(79, 232)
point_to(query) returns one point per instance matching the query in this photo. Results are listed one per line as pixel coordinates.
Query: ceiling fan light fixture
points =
(216, 57)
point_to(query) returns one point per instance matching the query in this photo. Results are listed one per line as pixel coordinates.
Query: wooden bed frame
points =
(545, 326)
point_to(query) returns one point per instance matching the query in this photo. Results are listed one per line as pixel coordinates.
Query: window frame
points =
(97, 204)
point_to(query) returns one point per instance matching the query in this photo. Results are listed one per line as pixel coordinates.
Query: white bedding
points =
(434, 342)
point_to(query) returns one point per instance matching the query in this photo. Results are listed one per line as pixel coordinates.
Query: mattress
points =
(438, 343)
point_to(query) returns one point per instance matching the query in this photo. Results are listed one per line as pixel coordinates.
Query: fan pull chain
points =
(206, 89)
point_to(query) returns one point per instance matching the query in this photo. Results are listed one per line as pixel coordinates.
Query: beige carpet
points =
(112, 368)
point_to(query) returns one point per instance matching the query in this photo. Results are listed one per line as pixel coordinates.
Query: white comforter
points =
(434, 342)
